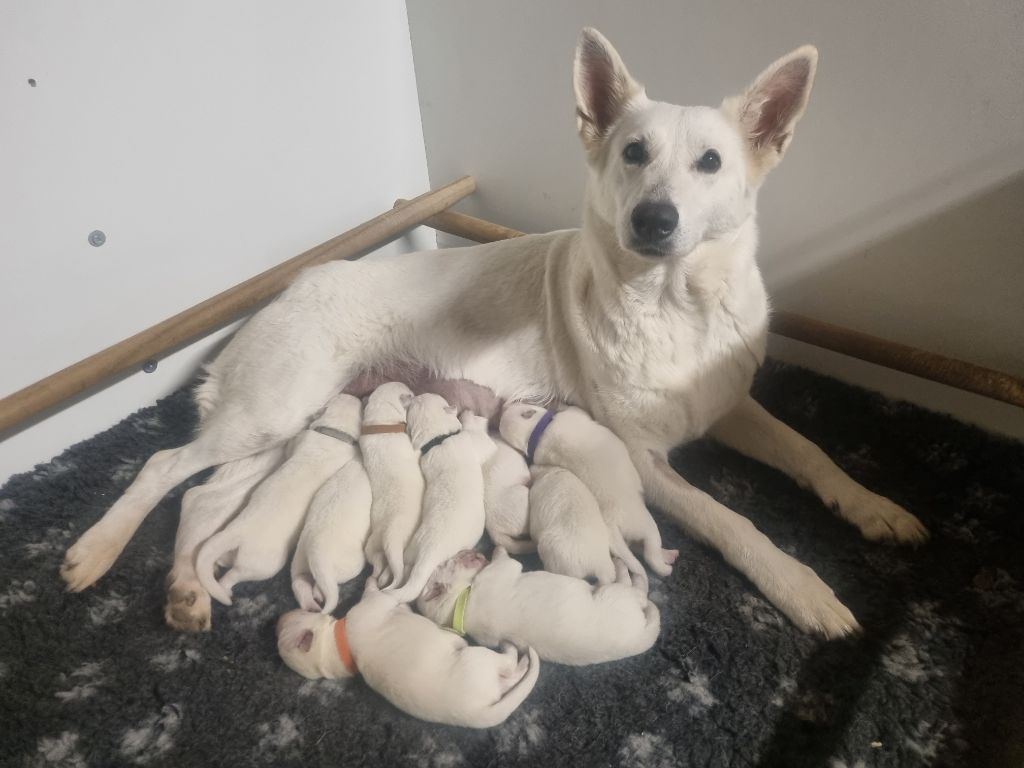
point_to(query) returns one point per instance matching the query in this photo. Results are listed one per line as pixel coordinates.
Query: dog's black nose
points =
(653, 222)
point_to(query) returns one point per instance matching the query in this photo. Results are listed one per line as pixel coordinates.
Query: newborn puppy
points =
(395, 480)
(453, 500)
(572, 440)
(330, 548)
(564, 619)
(204, 511)
(566, 523)
(421, 669)
(264, 533)
(506, 499)
(476, 427)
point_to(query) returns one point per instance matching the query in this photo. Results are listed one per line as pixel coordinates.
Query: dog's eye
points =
(635, 153)
(709, 162)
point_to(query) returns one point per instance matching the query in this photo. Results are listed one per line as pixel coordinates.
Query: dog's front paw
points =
(880, 519)
(807, 601)
(88, 559)
(188, 606)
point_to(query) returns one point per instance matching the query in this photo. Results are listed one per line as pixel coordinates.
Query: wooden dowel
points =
(222, 309)
(899, 357)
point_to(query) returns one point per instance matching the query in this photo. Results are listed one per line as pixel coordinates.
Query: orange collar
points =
(383, 429)
(341, 640)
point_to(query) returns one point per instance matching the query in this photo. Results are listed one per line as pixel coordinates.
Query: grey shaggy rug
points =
(97, 679)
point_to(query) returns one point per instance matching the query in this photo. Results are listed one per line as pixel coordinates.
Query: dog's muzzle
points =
(653, 223)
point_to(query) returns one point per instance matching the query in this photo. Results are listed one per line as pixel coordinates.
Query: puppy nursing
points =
(453, 499)
(257, 542)
(572, 440)
(564, 619)
(420, 668)
(396, 482)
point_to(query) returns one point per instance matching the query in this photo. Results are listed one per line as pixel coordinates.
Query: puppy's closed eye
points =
(528, 413)
(434, 591)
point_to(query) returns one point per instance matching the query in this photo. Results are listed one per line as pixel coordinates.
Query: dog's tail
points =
(660, 560)
(513, 546)
(498, 712)
(418, 578)
(621, 550)
(215, 548)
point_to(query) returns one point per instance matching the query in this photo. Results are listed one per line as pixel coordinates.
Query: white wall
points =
(209, 141)
(918, 106)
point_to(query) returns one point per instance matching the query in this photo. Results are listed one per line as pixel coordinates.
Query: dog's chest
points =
(672, 374)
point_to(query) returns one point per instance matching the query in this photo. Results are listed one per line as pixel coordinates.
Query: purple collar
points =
(531, 445)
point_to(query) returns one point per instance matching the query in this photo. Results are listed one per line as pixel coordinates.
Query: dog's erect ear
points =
(603, 87)
(768, 111)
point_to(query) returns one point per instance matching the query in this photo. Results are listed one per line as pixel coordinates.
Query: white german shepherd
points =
(653, 317)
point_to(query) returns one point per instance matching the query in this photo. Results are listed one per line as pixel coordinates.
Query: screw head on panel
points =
(149, 366)
(97, 238)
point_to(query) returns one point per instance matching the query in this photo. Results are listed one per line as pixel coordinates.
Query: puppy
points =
(330, 548)
(564, 619)
(566, 523)
(574, 441)
(204, 510)
(423, 670)
(396, 482)
(264, 533)
(475, 426)
(453, 501)
(506, 499)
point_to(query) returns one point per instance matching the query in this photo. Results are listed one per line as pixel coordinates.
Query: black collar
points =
(437, 441)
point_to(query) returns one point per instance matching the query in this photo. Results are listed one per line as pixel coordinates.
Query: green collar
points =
(459, 616)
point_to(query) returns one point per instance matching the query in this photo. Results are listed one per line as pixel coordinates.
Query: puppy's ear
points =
(528, 413)
(433, 591)
(768, 111)
(603, 88)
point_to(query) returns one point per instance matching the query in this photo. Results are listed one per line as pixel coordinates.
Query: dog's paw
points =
(188, 606)
(88, 559)
(807, 601)
(880, 519)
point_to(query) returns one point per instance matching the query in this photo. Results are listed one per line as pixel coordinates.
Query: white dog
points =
(330, 548)
(572, 440)
(564, 619)
(257, 542)
(396, 482)
(421, 669)
(506, 498)
(204, 510)
(453, 500)
(653, 317)
(566, 523)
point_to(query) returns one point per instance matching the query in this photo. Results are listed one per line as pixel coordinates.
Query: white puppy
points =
(330, 548)
(453, 500)
(574, 441)
(506, 498)
(264, 533)
(566, 523)
(475, 426)
(564, 619)
(396, 482)
(204, 510)
(423, 670)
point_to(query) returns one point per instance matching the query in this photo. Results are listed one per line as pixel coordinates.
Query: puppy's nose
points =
(653, 222)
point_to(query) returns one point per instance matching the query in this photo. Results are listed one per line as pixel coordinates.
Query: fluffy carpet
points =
(937, 678)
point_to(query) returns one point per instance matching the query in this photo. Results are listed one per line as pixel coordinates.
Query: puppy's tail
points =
(418, 578)
(498, 712)
(660, 560)
(514, 546)
(621, 550)
(215, 548)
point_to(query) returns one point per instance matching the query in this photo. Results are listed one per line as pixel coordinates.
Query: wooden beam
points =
(222, 309)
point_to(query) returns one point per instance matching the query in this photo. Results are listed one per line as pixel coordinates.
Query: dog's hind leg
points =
(204, 510)
(754, 432)
(791, 586)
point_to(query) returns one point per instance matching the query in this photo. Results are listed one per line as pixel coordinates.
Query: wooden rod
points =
(899, 357)
(222, 309)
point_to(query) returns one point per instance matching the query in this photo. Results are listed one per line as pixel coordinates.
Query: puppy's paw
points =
(807, 601)
(670, 556)
(188, 606)
(307, 593)
(880, 519)
(88, 559)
